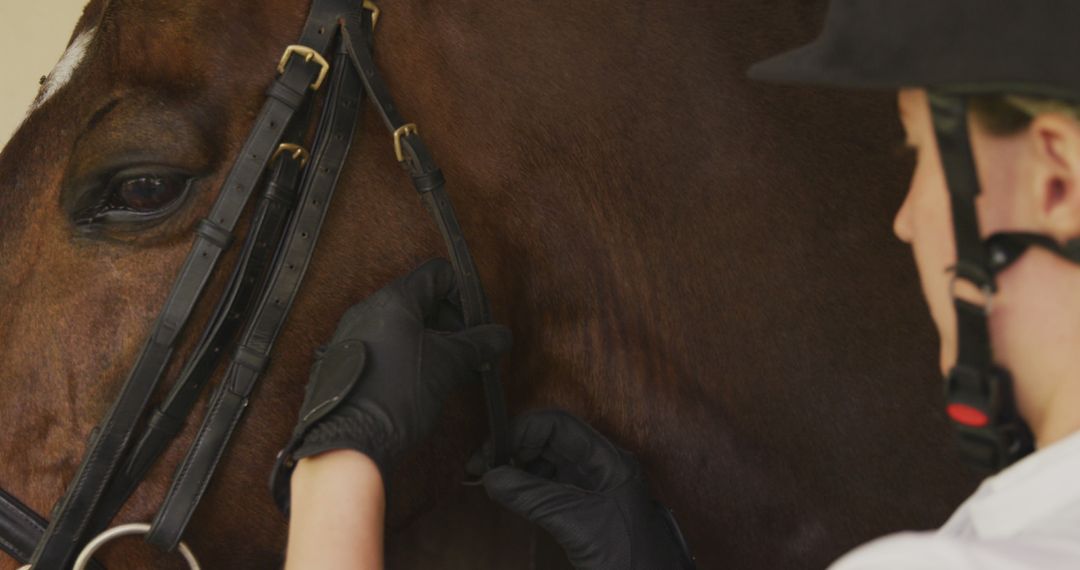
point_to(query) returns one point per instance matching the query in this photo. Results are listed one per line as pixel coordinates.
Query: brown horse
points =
(700, 266)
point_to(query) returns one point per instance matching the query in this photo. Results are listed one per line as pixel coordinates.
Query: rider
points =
(990, 100)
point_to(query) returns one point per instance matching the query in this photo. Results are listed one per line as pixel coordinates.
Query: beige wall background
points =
(33, 36)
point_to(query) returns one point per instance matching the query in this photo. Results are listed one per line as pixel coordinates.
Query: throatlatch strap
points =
(230, 398)
(430, 184)
(979, 400)
(72, 516)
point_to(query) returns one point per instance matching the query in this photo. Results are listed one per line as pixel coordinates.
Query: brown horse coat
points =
(699, 266)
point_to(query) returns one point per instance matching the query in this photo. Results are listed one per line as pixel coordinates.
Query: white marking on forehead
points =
(65, 68)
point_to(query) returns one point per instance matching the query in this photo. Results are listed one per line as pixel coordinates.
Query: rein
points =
(260, 292)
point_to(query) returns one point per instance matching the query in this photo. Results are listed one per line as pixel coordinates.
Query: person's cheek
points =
(935, 285)
(932, 243)
(945, 314)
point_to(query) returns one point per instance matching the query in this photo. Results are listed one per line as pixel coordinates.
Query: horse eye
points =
(147, 194)
(131, 200)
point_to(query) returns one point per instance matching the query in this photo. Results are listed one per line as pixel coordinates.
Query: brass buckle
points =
(375, 11)
(309, 55)
(297, 152)
(409, 129)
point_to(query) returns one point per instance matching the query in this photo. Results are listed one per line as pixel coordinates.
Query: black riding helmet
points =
(956, 49)
(980, 46)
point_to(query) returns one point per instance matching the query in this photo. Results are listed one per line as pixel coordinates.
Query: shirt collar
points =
(1032, 489)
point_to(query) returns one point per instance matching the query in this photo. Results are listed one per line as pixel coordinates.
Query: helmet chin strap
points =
(1007, 247)
(979, 394)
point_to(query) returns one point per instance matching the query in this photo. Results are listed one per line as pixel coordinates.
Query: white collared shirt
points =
(1027, 516)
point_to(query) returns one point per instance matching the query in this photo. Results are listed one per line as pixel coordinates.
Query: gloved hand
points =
(380, 385)
(587, 493)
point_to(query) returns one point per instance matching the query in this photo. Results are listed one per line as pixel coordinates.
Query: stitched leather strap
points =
(21, 528)
(430, 184)
(98, 491)
(268, 227)
(68, 530)
(331, 149)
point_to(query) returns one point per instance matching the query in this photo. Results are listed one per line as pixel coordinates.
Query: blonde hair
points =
(1005, 115)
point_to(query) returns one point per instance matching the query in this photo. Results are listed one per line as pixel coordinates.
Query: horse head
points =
(681, 255)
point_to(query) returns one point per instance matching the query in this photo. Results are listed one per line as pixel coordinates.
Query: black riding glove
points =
(380, 385)
(589, 494)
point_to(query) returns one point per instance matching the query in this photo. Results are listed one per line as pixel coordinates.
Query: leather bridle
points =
(334, 53)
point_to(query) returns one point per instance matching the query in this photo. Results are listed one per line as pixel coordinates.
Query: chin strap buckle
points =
(989, 430)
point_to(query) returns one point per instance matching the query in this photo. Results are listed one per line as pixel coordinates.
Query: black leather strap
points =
(21, 528)
(331, 149)
(1007, 247)
(249, 275)
(73, 513)
(99, 490)
(990, 432)
(429, 183)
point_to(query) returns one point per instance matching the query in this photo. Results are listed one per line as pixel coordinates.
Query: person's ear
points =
(1056, 144)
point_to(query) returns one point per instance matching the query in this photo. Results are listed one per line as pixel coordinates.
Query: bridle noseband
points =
(333, 54)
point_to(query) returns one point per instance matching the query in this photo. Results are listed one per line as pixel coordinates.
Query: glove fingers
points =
(530, 496)
(445, 317)
(582, 456)
(429, 284)
(481, 345)
(481, 459)
(461, 354)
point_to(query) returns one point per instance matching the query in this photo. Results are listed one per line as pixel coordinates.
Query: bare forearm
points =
(337, 513)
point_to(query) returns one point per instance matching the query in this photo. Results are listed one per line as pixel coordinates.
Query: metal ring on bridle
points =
(116, 532)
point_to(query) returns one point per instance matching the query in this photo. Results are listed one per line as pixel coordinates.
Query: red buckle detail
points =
(967, 415)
